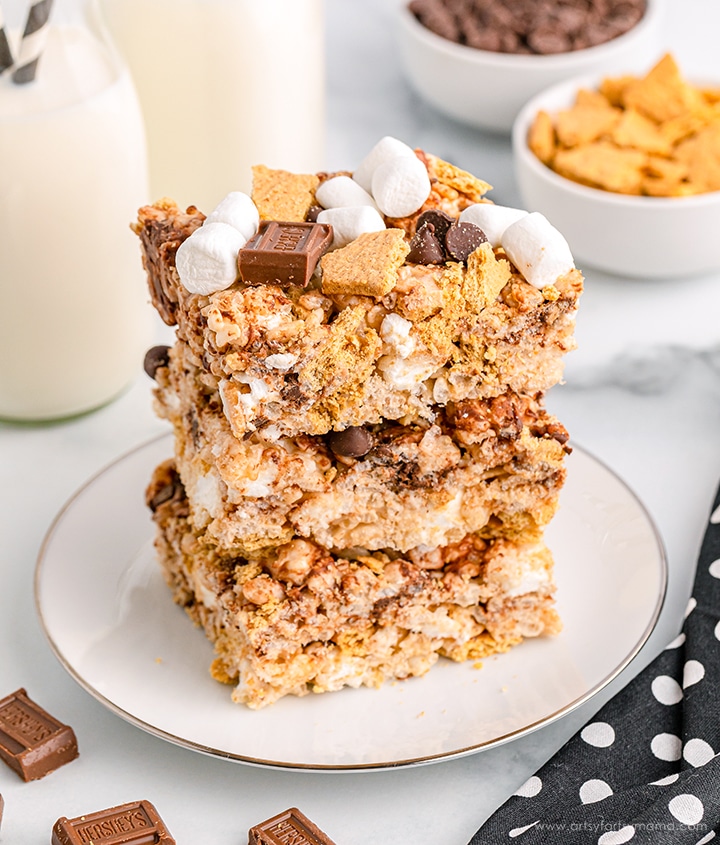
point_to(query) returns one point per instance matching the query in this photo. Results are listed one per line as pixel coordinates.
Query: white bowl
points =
(641, 237)
(487, 90)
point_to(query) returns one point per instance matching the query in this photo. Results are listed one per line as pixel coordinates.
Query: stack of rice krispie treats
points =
(363, 464)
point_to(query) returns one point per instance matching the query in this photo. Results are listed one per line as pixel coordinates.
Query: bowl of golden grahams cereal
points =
(627, 167)
(480, 61)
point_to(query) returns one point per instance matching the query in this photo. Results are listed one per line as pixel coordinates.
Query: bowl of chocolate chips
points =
(480, 61)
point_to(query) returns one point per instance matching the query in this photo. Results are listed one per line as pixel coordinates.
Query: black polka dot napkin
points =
(646, 769)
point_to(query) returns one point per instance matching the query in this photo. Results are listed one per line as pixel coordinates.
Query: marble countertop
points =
(642, 394)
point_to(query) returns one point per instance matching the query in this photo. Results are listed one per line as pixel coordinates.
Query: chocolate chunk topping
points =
(137, 823)
(353, 442)
(462, 239)
(425, 248)
(283, 253)
(439, 220)
(156, 357)
(32, 742)
(289, 828)
(312, 215)
(439, 238)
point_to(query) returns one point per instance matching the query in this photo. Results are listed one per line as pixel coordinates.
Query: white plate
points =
(110, 619)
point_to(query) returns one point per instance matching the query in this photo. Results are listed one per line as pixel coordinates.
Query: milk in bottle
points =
(224, 84)
(74, 317)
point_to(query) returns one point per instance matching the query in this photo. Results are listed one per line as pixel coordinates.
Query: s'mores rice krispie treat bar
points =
(392, 323)
(298, 618)
(482, 465)
(356, 392)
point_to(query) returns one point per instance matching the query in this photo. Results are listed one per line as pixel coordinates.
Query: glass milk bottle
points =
(74, 316)
(224, 84)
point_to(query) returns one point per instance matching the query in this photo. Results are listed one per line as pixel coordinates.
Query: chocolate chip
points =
(440, 221)
(462, 239)
(483, 39)
(164, 494)
(353, 442)
(425, 248)
(312, 214)
(522, 26)
(549, 40)
(156, 357)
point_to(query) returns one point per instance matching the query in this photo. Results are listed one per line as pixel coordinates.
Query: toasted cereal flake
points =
(454, 177)
(710, 95)
(603, 165)
(584, 124)
(613, 88)
(701, 154)
(671, 170)
(368, 266)
(281, 195)
(592, 99)
(676, 126)
(638, 132)
(541, 137)
(663, 93)
(689, 123)
(665, 177)
(653, 186)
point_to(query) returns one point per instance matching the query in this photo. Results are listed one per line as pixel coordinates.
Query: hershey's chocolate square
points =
(32, 742)
(288, 828)
(137, 823)
(283, 253)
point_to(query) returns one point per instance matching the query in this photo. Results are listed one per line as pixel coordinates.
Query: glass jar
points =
(224, 85)
(74, 316)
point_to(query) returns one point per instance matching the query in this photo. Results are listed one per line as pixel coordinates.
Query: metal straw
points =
(6, 57)
(33, 42)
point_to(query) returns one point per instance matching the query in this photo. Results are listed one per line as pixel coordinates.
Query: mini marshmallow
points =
(239, 211)
(537, 249)
(350, 222)
(341, 192)
(385, 149)
(492, 219)
(207, 261)
(400, 186)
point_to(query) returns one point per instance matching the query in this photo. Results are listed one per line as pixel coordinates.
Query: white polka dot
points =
(687, 809)
(617, 837)
(516, 831)
(717, 631)
(665, 781)
(715, 516)
(599, 734)
(594, 790)
(667, 690)
(666, 747)
(693, 672)
(676, 643)
(707, 838)
(530, 788)
(691, 605)
(698, 752)
(714, 568)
